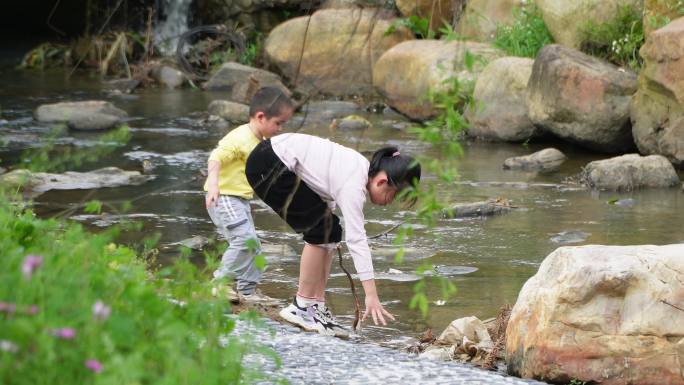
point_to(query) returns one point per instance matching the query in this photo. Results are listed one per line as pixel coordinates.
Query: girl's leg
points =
(314, 270)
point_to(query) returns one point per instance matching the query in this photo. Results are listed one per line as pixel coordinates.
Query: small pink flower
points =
(30, 265)
(101, 311)
(64, 333)
(8, 308)
(32, 310)
(94, 365)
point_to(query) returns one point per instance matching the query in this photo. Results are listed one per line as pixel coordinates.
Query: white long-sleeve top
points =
(339, 175)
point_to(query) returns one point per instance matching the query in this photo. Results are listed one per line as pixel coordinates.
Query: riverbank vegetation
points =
(526, 35)
(77, 307)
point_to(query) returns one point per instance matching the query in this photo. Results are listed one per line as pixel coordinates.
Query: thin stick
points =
(667, 303)
(387, 231)
(357, 307)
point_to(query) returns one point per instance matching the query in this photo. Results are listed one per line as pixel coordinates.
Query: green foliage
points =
(618, 40)
(576, 382)
(526, 36)
(444, 133)
(671, 7)
(50, 157)
(46, 55)
(420, 26)
(76, 308)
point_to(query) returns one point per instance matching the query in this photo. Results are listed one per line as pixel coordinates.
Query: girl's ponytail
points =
(402, 170)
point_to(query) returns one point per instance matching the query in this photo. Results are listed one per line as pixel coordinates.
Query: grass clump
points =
(76, 308)
(618, 40)
(526, 36)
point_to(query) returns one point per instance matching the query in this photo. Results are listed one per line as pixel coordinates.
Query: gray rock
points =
(243, 81)
(449, 271)
(631, 171)
(2, 170)
(92, 121)
(196, 243)
(123, 85)
(570, 236)
(62, 112)
(581, 99)
(478, 209)
(37, 183)
(350, 123)
(169, 77)
(546, 160)
(231, 111)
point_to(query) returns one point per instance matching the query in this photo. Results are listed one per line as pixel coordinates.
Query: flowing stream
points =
(488, 259)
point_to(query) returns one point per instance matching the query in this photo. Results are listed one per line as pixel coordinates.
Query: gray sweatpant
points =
(233, 219)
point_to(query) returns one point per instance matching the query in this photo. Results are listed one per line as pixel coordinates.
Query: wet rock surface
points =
(309, 358)
(581, 99)
(605, 314)
(546, 160)
(86, 115)
(629, 172)
(40, 182)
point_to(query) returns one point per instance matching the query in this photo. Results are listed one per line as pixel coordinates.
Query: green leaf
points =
(93, 206)
(260, 262)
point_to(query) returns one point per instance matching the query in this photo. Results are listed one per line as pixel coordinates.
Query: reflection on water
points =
(488, 259)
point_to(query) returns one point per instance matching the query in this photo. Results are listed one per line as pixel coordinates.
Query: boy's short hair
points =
(272, 101)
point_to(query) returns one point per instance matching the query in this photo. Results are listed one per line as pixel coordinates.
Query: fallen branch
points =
(357, 307)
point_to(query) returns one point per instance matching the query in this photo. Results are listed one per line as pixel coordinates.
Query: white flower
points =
(7, 346)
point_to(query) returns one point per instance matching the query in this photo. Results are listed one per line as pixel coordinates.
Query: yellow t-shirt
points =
(232, 152)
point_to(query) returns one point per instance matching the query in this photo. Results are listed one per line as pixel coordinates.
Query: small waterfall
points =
(168, 30)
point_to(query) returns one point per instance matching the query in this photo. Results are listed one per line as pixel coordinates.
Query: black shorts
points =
(295, 202)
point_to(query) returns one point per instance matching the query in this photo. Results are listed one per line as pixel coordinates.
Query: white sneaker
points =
(225, 291)
(332, 327)
(314, 319)
(258, 298)
(300, 316)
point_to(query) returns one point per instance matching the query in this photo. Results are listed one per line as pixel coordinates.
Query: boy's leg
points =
(232, 217)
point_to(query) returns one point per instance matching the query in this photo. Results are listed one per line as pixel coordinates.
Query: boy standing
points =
(228, 192)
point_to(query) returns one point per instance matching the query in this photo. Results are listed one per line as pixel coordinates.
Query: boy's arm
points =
(212, 182)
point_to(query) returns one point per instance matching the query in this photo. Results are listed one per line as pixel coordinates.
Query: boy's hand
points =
(212, 196)
(212, 183)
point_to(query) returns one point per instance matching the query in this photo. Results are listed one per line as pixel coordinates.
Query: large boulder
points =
(438, 12)
(241, 82)
(567, 19)
(602, 314)
(481, 18)
(90, 115)
(657, 109)
(500, 95)
(629, 172)
(582, 99)
(332, 51)
(408, 71)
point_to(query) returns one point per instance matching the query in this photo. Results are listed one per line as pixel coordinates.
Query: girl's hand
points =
(376, 310)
